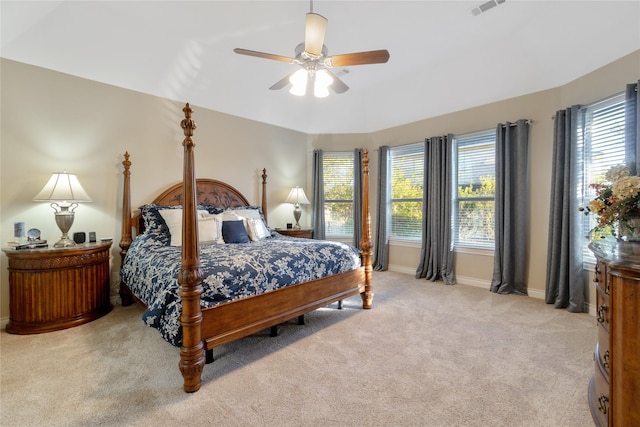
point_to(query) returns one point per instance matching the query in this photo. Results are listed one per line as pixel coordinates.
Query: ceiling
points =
(443, 58)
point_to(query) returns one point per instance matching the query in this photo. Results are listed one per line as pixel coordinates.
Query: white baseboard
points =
(470, 281)
(3, 322)
(536, 293)
(533, 293)
(402, 269)
(486, 284)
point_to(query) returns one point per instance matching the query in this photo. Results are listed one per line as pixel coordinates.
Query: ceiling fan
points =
(312, 56)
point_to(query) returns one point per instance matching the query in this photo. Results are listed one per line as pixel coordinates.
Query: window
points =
(475, 181)
(337, 168)
(601, 138)
(407, 177)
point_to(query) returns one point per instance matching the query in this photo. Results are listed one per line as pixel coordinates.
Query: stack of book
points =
(29, 244)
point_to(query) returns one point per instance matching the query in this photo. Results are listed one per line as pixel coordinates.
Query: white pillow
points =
(230, 216)
(247, 213)
(253, 222)
(210, 228)
(173, 219)
(256, 229)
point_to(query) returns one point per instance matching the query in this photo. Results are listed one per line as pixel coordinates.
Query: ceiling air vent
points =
(485, 6)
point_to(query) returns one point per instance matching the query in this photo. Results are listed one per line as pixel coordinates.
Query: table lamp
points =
(297, 197)
(64, 192)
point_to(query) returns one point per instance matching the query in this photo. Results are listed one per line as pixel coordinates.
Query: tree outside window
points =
(474, 204)
(407, 178)
(338, 170)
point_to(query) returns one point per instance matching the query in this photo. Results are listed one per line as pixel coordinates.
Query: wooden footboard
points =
(209, 328)
(237, 319)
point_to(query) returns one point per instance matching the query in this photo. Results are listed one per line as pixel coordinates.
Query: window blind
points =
(475, 179)
(602, 140)
(407, 177)
(338, 171)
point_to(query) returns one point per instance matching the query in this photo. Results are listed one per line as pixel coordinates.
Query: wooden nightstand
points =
(303, 233)
(52, 289)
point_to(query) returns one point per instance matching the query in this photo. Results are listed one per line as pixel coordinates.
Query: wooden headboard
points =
(208, 192)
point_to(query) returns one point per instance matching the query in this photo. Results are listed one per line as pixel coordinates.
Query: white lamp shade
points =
(298, 82)
(296, 195)
(321, 85)
(62, 187)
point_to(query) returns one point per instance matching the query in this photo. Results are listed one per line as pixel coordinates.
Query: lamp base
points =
(296, 215)
(64, 242)
(64, 219)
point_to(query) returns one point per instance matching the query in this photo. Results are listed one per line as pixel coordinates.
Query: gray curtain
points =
(565, 284)
(632, 127)
(512, 209)
(317, 198)
(381, 260)
(436, 254)
(357, 197)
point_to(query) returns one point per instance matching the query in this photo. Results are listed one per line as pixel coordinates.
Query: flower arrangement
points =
(617, 200)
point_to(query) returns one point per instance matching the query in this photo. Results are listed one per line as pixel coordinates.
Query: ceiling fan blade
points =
(314, 31)
(282, 82)
(338, 85)
(359, 58)
(263, 55)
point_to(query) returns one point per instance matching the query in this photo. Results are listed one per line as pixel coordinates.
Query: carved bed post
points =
(190, 277)
(264, 193)
(125, 238)
(365, 242)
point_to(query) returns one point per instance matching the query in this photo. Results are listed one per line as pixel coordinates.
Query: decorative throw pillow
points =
(256, 229)
(152, 220)
(260, 229)
(253, 212)
(173, 220)
(230, 216)
(234, 232)
(210, 229)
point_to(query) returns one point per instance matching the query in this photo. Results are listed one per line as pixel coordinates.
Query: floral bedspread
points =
(230, 271)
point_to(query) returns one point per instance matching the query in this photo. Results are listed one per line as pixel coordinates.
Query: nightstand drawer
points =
(303, 233)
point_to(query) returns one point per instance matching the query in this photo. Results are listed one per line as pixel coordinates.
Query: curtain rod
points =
(527, 121)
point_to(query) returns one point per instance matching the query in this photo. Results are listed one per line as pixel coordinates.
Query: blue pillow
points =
(234, 232)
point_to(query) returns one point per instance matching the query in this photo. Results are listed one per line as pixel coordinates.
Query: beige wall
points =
(52, 121)
(477, 268)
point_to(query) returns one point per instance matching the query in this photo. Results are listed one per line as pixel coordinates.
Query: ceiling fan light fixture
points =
(321, 85)
(298, 82)
(312, 56)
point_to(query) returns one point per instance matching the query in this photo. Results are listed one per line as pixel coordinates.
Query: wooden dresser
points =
(52, 289)
(614, 390)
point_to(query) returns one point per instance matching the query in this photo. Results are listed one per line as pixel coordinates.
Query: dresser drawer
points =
(601, 277)
(602, 355)
(599, 397)
(603, 311)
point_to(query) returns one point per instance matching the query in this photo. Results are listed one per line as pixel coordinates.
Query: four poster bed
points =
(201, 291)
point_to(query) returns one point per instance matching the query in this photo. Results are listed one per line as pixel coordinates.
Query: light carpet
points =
(426, 355)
